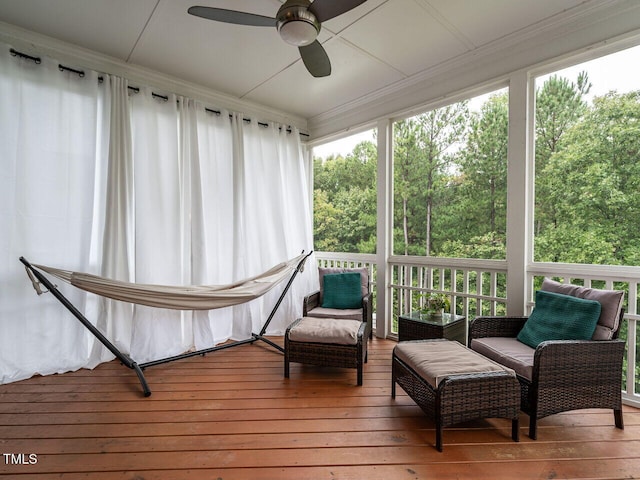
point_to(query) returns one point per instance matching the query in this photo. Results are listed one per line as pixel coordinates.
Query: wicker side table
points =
(418, 326)
(458, 397)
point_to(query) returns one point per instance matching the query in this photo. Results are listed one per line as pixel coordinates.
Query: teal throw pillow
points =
(342, 290)
(560, 317)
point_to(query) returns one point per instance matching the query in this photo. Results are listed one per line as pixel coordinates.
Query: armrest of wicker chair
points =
(367, 314)
(587, 373)
(495, 327)
(310, 302)
(580, 364)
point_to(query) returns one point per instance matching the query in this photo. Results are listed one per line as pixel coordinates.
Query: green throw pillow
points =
(342, 290)
(560, 317)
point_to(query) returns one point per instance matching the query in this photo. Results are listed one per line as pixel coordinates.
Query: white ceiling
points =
(373, 48)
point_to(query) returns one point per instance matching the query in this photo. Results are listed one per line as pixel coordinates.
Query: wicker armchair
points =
(558, 375)
(312, 303)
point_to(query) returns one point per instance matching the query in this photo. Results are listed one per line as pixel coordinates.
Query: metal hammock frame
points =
(126, 360)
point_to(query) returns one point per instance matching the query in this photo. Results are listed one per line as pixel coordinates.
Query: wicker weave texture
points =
(411, 329)
(460, 398)
(327, 354)
(567, 374)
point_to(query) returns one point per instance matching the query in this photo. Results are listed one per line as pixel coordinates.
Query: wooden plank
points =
(69, 418)
(302, 457)
(232, 415)
(592, 469)
(253, 441)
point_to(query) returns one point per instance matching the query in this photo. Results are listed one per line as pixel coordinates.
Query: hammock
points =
(204, 297)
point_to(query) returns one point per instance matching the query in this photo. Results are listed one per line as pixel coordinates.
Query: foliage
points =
(450, 181)
(482, 197)
(598, 217)
(450, 184)
(345, 201)
(436, 302)
(423, 158)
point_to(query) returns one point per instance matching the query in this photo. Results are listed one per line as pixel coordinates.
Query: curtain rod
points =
(80, 73)
(16, 53)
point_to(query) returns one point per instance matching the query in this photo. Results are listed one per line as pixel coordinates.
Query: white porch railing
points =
(478, 287)
(474, 286)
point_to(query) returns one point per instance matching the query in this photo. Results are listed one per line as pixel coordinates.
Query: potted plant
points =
(435, 304)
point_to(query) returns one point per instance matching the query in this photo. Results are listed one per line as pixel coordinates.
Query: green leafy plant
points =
(436, 302)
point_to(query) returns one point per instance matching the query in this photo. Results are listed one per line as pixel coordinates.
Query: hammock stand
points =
(138, 368)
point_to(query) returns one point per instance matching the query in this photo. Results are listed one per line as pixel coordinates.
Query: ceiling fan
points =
(297, 21)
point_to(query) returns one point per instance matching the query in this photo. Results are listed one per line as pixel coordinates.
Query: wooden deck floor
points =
(232, 415)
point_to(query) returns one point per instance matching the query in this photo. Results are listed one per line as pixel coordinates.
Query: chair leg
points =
(532, 427)
(439, 435)
(515, 429)
(286, 363)
(359, 374)
(617, 413)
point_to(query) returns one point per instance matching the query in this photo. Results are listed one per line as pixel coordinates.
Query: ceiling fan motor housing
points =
(296, 24)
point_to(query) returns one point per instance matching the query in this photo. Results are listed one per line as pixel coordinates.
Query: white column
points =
(384, 232)
(519, 191)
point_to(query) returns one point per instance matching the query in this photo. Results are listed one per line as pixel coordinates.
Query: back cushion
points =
(364, 278)
(611, 301)
(341, 290)
(560, 317)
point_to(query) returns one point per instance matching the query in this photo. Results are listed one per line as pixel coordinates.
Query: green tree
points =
(593, 184)
(560, 104)
(325, 222)
(423, 148)
(345, 201)
(477, 217)
(407, 172)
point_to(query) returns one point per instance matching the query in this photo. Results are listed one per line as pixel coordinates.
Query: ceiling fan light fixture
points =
(297, 25)
(297, 21)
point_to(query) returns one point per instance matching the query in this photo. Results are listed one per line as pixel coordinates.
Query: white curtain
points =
(52, 139)
(212, 241)
(115, 318)
(139, 188)
(272, 213)
(158, 222)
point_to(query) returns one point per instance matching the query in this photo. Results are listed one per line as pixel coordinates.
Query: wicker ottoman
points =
(453, 384)
(326, 342)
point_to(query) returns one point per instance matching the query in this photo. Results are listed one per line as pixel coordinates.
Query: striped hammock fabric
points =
(199, 297)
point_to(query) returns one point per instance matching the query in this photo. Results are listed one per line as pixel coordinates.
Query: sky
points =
(619, 71)
(342, 146)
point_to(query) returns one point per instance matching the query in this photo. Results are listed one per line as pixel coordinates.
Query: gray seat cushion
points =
(507, 351)
(325, 330)
(435, 360)
(342, 314)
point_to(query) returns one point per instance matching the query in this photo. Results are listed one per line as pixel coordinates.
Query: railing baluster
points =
(632, 330)
(466, 292)
(494, 291)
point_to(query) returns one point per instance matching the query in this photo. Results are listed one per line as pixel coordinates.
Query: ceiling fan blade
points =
(232, 16)
(316, 59)
(327, 9)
